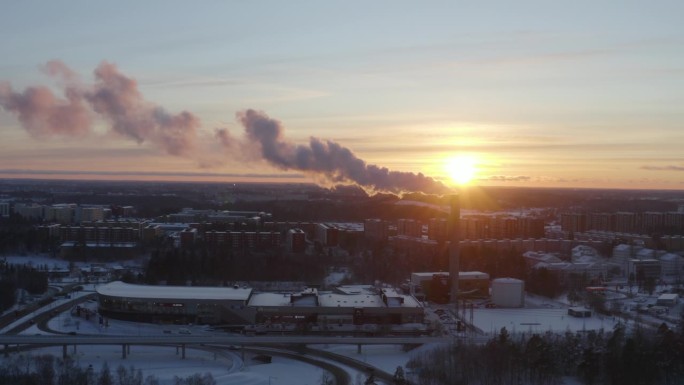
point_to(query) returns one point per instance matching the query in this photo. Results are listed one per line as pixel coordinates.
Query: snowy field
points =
(537, 320)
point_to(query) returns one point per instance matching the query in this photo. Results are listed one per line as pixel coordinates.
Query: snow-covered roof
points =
(270, 299)
(102, 244)
(121, 289)
(472, 275)
(461, 274)
(542, 257)
(584, 250)
(671, 257)
(361, 298)
(356, 289)
(507, 280)
(668, 297)
(350, 300)
(622, 247)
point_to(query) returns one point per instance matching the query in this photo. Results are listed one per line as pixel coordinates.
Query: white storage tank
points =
(508, 292)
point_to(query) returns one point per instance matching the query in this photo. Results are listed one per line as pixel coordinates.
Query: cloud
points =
(323, 158)
(113, 96)
(664, 168)
(506, 178)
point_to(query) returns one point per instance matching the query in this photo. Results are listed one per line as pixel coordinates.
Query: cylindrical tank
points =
(508, 292)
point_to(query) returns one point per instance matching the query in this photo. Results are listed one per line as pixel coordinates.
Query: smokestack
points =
(454, 239)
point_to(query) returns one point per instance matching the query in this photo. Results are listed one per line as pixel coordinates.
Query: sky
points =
(526, 93)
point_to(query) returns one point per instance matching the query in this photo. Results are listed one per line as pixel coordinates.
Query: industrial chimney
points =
(454, 239)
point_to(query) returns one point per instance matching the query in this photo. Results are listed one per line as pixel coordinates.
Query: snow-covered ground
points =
(226, 366)
(165, 364)
(383, 357)
(36, 260)
(537, 320)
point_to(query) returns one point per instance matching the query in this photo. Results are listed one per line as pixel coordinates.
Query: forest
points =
(28, 278)
(618, 357)
(27, 369)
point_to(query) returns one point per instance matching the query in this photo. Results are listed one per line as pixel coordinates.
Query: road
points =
(66, 339)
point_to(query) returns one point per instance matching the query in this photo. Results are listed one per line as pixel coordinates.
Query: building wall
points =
(296, 241)
(376, 230)
(4, 209)
(176, 310)
(508, 292)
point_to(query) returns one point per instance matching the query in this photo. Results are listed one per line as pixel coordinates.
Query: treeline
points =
(595, 358)
(393, 266)
(26, 369)
(18, 235)
(13, 278)
(177, 267)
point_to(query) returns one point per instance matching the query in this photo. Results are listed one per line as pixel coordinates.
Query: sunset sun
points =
(461, 169)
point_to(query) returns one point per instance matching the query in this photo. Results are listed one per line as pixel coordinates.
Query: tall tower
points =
(454, 239)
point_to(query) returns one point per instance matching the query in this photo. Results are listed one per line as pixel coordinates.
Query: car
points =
(184, 331)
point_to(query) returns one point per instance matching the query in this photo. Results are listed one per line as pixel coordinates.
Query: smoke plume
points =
(115, 99)
(43, 114)
(326, 158)
(113, 96)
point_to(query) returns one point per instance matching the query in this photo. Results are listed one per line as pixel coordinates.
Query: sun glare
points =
(461, 169)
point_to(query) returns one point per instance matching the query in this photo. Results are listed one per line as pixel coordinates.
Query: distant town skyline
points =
(529, 93)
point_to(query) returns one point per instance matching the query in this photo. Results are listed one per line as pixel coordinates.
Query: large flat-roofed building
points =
(435, 285)
(346, 305)
(179, 304)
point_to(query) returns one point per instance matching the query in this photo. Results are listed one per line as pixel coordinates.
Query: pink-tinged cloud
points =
(113, 96)
(117, 99)
(324, 158)
(224, 137)
(43, 114)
